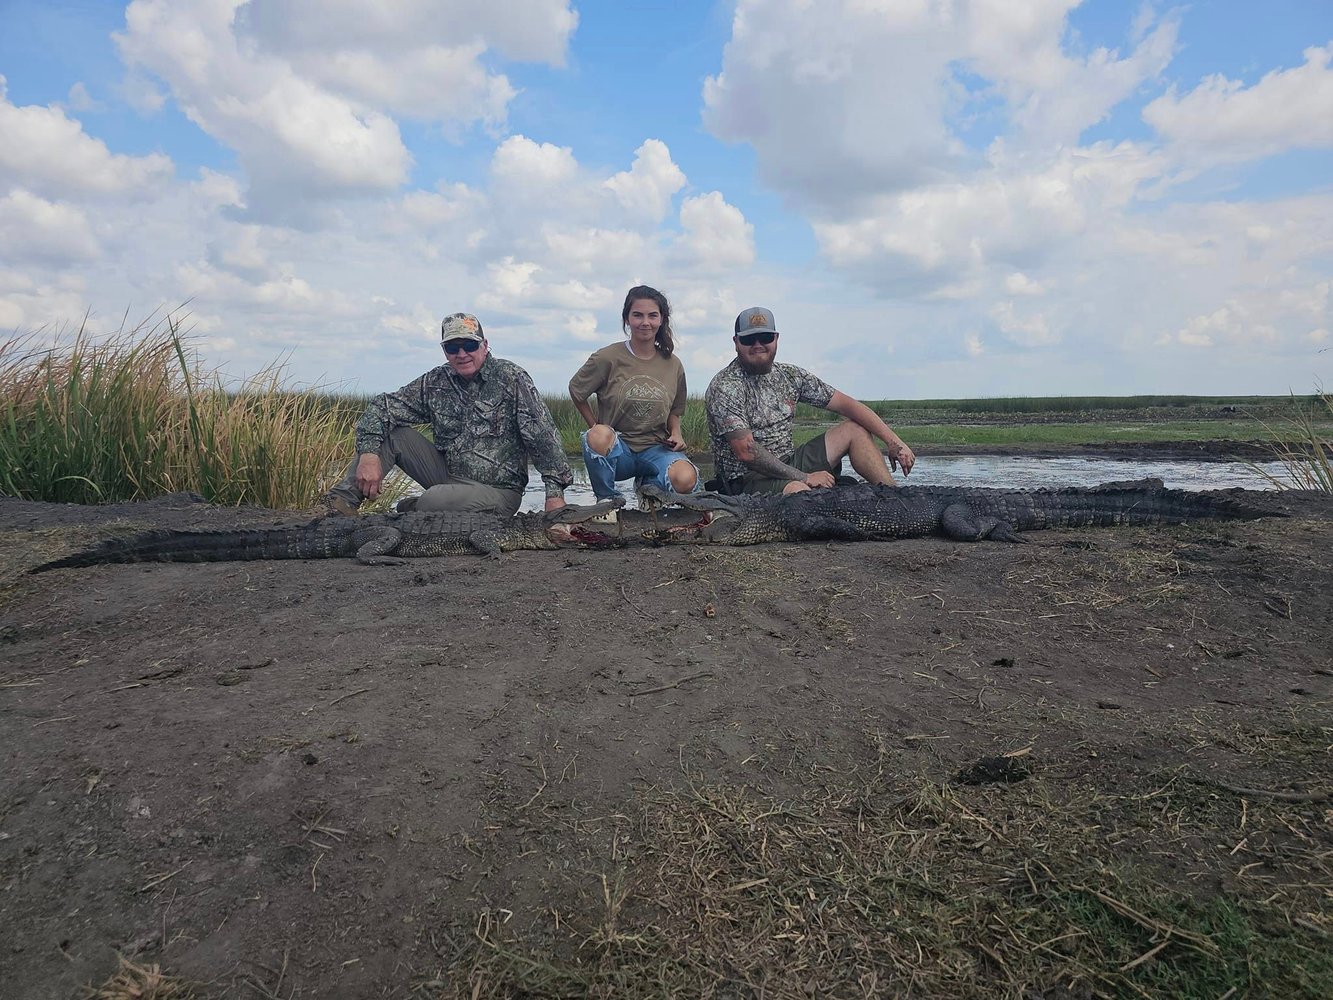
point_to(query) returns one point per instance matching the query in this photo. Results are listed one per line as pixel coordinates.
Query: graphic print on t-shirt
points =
(645, 398)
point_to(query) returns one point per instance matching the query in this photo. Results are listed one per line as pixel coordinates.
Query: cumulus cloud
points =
(30, 305)
(646, 189)
(715, 236)
(937, 150)
(528, 170)
(47, 152)
(1053, 94)
(848, 100)
(51, 232)
(305, 93)
(1221, 120)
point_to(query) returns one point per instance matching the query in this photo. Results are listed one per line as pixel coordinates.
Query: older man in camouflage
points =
(488, 423)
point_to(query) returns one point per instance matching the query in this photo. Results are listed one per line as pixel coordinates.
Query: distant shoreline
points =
(1185, 451)
(1169, 451)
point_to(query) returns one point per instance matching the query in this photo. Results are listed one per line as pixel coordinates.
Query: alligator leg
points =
(376, 551)
(826, 528)
(486, 542)
(960, 523)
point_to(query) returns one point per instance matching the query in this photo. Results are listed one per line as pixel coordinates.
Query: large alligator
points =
(864, 512)
(377, 539)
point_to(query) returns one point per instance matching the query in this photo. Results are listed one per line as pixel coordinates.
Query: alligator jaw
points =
(573, 514)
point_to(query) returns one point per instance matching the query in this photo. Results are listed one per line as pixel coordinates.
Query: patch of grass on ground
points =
(892, 887)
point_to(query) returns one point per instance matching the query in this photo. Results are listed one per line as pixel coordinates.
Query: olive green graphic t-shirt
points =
(634, 395)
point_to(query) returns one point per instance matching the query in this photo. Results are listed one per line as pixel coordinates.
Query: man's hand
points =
(903, 458)
(675, 441)
(554, 503)
(816, 480)
(369, 475)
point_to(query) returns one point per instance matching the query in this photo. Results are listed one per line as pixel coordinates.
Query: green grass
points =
(88, 420)
(1303, 443)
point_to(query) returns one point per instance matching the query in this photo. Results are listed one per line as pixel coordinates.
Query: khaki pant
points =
(407, 449)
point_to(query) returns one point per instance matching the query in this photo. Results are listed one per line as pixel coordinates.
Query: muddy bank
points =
(318, 779)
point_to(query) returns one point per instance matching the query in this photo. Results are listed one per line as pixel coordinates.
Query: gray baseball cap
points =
(756, 319)
(461, 326)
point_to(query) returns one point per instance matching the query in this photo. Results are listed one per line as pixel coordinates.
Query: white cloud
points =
(80, 100)
(1026, 327)
(1019, 283)
(292, 136)
(27, 305)
(646, 189)
(304, 92)
(1222, 121)
(44, 151)
(46, 231)
(716, 235)
(1054, 95)
(527, 30)
(528, 170)
(848, 100)
(935, 148)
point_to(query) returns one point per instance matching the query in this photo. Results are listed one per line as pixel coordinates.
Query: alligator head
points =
(563, 527)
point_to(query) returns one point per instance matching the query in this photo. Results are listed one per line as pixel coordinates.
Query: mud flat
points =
(1093, 765)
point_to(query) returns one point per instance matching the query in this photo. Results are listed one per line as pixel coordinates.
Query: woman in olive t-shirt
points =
(640, 388)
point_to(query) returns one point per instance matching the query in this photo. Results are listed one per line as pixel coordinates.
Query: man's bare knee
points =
(682, 475)
(601, 438)
(795, 486)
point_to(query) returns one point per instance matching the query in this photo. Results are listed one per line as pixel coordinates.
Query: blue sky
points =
(935, 199)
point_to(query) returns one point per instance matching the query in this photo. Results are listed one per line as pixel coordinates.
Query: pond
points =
(1019, 473)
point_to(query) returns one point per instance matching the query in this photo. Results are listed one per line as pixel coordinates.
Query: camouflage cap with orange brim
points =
(756, 319)
(461, 326)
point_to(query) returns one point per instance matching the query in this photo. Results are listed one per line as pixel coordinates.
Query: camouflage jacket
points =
(763, 404)
(487, 428)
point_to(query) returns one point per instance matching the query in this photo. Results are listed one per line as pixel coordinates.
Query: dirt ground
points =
(319, 779)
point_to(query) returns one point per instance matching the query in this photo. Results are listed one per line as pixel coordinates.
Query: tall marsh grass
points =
(693, 424)
(1303, 447)
(93, 420)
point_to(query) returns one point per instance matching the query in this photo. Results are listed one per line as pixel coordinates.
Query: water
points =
(1016, 473)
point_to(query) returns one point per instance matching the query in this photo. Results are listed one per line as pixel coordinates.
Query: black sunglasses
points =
(452, 347)
(750, 339)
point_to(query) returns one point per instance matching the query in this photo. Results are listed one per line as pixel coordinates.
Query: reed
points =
(86, 420)
(1302, 444)
(693, 424)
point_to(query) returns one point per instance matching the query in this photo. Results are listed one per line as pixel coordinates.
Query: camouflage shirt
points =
(763, 404)
(487, 427)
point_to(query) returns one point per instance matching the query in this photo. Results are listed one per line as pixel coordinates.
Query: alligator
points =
(374, 540)
(864, 512)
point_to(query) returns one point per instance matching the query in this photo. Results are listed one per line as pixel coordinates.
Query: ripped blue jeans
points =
(646, 466)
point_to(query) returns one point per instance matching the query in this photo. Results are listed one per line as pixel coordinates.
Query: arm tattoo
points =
(767, 464)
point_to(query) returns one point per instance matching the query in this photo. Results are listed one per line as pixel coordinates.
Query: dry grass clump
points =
(142, 982)
(1302, 447)
(864, 885)
(89, 420)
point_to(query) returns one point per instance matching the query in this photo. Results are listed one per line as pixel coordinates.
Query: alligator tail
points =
(164, 545)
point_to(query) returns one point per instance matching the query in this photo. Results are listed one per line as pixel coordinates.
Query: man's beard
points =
(757, 368)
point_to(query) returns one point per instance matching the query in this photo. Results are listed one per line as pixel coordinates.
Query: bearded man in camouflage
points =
(488, 423)
(751, 405)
